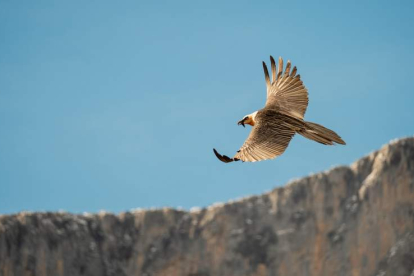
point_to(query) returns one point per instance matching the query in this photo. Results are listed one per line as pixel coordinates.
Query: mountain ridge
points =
(343, 221)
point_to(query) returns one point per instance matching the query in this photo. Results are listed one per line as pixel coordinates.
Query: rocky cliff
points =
(356, 220)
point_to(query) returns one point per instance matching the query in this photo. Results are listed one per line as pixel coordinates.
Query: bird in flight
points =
(282, 117)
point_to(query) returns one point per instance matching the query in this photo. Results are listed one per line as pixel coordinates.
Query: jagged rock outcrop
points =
(400, 258)
(356, 220)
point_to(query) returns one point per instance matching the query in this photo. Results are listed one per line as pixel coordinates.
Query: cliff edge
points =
(356, 220)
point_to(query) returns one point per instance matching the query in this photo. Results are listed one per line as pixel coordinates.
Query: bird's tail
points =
(320, 134)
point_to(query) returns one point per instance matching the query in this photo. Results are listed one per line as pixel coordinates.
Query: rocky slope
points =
(356, 220)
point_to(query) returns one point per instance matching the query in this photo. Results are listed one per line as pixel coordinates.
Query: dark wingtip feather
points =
(293, 71)
(273, 63)
(223, 158)
(280, 68)
(266, 72)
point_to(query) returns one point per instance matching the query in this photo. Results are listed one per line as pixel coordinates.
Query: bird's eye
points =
(245, 118)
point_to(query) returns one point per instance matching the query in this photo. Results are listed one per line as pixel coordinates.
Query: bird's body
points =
(281, 118)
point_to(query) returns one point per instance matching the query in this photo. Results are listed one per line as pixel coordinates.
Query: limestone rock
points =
(356, 220)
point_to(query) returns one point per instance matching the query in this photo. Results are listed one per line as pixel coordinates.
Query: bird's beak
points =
(241, 123)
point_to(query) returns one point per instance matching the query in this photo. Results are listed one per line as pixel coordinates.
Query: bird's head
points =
(248, 119)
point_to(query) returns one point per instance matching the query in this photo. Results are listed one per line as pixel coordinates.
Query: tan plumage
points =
(287, 93)
(282, 117)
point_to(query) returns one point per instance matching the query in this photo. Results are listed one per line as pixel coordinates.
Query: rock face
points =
(356, 220)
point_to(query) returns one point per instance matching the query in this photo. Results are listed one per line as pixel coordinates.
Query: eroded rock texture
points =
(356, 220)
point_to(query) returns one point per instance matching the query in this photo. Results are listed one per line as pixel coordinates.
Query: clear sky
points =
(114, 105)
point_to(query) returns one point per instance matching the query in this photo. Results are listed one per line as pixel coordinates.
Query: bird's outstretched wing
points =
(286, 92)
(268, 138)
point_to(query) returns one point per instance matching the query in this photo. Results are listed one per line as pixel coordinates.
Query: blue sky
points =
(117, 105)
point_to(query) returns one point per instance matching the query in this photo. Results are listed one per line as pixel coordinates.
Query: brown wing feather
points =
(272, 61)
(286, 93)
(266, 72)
(269, 137)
